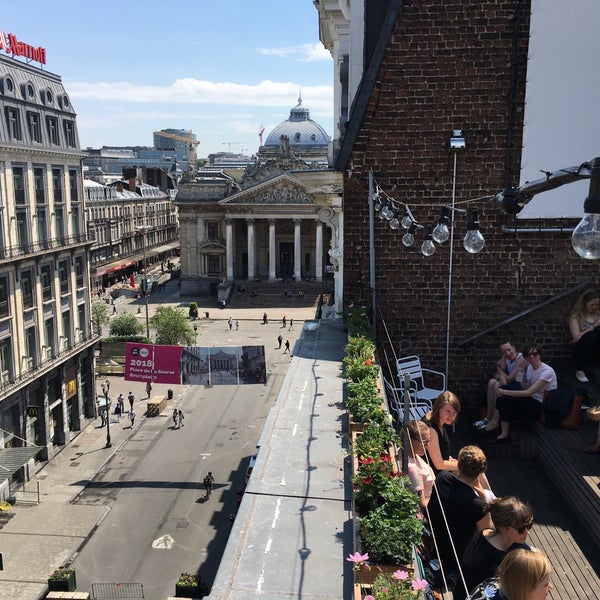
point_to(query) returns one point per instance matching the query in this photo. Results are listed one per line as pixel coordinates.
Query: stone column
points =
(297, 251)
(200, 236)
(272, 271)
(229, 248)
(319, 251)
(251, 250)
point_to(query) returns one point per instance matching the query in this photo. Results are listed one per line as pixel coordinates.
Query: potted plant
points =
(187, 586)
(62, 580)
(193, 310)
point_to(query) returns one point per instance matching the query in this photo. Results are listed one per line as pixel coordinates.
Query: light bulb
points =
(395, 223)
(406, 221)
(378, 205)
(473, 241)
(389, 213)
(427, 247)
(440, 233)
(408, 239)
(586, 237)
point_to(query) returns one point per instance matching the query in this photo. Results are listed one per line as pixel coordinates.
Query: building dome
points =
(300, 129)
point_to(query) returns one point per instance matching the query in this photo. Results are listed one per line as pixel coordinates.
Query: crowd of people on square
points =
(475, 543)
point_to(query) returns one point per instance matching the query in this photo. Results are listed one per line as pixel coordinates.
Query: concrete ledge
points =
(65, 595)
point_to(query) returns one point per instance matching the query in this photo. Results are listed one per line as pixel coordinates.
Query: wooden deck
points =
(548, 469)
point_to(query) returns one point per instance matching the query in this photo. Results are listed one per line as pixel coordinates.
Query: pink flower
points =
(368, 597)
(419, 585)
(357, 557)
(400, 575)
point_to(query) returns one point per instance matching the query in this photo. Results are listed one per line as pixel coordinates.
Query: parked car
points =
(251, 464)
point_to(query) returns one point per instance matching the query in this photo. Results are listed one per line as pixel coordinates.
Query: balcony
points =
(8, 253)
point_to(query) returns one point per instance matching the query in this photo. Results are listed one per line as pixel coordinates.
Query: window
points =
(52, 126)
(60, 224)
(49, 337)
(34, 126)
(75, 230)
(78, 264)
(69, 129)
(46, 281)
(27, 288)
(13, 123)
(214, 263)
(66, 325)
(63, 277)
(30, 348)
(39, 183)
(6, 362)
(4, 306)
(23, 231)
(74, 185)
(42, 228)
(19, 184)
(213, 231)
(57, 184)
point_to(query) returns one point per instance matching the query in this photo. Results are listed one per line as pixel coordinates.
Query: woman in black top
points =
(512, 521)
(445, 411)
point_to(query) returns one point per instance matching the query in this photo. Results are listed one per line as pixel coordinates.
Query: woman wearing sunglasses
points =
(527, 402)
(512, 521)
(522, 575)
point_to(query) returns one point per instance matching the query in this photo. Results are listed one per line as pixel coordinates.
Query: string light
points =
(441, 232)
(427, 247)
(473, 241)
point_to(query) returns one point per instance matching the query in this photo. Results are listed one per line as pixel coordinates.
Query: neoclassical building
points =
(280, 221)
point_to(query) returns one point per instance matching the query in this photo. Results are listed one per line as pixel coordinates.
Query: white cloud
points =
(197, 91)
(301, 53)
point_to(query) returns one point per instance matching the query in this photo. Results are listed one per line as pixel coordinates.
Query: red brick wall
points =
(449, 65)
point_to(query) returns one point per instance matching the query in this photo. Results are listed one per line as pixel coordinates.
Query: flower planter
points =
(365, 574)
(66, 583)
(183, 590)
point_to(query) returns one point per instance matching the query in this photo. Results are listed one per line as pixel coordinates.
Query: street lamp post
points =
(195, 334)
(144, 285)
(105, 389)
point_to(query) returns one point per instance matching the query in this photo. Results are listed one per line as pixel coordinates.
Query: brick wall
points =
(453, 65)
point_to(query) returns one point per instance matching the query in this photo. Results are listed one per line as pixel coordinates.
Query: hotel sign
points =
(11, 45)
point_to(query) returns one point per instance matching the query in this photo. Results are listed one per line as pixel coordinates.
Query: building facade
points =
(132, 223)
(280, 221)
(407, 75)
(46, 343)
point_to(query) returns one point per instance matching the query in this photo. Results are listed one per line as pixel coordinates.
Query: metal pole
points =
(372, 255)
(106, 388)
(405, 408)
(449, 302)
(146, 286)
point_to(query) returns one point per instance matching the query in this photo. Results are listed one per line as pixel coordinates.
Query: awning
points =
(165, 248)
(12, 459)
(117, 265)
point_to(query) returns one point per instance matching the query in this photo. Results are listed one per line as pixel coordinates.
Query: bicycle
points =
(208, 482)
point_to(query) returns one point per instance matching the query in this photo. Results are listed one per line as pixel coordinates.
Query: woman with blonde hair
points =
(522, 575)
(420, 472)
(585, 338)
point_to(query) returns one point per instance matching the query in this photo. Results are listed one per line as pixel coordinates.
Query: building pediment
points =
(285, 190)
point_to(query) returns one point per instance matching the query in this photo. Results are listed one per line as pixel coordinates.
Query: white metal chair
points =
(411, 365)
(395, 396)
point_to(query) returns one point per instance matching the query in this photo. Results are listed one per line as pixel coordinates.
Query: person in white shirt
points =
(526, 402)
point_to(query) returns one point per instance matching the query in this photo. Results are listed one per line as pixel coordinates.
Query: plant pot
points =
(367, 574)
(68, 584)
(183, 590)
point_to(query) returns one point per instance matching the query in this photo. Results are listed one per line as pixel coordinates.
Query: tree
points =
(193, 312)
(125, 325)
(99, 315)
(172, 327)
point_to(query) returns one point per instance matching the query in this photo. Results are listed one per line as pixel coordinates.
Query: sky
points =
(220, 69)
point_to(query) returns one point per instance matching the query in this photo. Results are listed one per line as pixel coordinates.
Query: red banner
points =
(166, 364)
(139, 362)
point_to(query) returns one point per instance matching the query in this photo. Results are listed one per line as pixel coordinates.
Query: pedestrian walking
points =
(287, 346)
(114, 312)
(180, 418)
(265, 320)
(283, 320)
(280, 340)
(121, 402)
(132, 417)
(230, 323)
(103, 411)
(237, 325)
(131, 398)
(149, 389)
(175, 417)
(209, 482)
(291, 324)
(118, 412)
